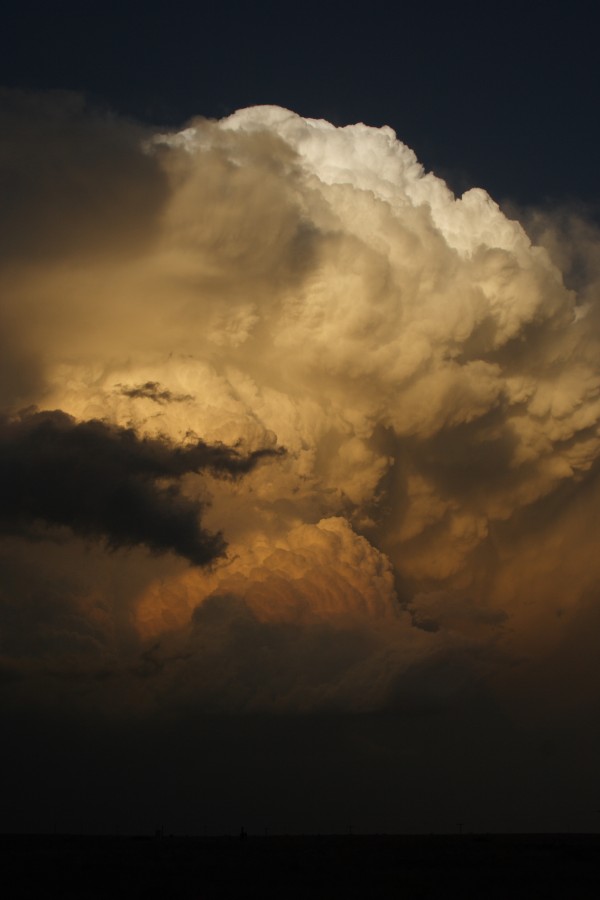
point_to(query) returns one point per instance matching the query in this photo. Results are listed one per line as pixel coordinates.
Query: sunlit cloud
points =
(419, 373)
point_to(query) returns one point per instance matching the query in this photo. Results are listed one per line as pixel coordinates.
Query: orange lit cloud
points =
(271, 281)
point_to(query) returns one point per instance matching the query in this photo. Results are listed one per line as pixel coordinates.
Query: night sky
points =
(299, 422)
(500, 96)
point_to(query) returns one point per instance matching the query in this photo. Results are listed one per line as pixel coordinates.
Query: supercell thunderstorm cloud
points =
(286, 425)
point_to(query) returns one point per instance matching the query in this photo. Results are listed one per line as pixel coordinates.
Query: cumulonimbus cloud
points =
(431, 371)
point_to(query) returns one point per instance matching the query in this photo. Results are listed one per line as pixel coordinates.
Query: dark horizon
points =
(427, 866)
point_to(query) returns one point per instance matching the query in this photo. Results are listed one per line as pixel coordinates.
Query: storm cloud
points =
(265, 281)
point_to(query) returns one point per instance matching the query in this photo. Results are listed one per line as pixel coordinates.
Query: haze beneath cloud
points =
(405, 386)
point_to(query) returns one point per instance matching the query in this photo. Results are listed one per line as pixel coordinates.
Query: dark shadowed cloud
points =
(93, 191)
(152, 390)
(102, 481)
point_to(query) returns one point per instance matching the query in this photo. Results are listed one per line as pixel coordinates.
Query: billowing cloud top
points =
(273, 281)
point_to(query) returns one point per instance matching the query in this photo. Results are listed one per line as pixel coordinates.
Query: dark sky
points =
(497, 95)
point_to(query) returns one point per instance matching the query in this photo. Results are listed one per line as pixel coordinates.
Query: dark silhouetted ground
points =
(481, 867)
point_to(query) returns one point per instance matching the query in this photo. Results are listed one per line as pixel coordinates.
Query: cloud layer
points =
(271, 281)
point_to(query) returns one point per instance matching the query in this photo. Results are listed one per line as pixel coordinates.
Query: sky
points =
(299, 418)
